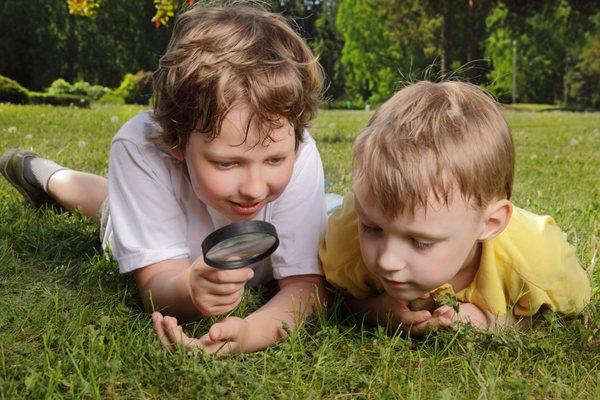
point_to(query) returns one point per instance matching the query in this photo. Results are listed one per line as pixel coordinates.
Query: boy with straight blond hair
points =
(226, 141)
(430, 221)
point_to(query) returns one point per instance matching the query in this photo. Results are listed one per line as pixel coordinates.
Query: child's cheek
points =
(368, 254)
(219, 186)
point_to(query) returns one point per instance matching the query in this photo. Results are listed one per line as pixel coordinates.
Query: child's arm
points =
(298, 297)
(188, 292)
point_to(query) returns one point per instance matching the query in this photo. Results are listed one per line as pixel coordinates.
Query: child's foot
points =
(13, 167)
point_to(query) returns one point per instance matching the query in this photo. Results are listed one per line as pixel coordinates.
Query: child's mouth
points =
(246, 208)
(390, 282)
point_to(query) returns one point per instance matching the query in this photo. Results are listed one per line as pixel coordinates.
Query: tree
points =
(548, 34)
(327, 45)
(583, 80)
(44, 42)
(165, 9)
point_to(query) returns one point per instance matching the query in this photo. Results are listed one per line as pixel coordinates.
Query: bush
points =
(111, 98)
(80, 88)
(59, 99)
(136, 88)
(11, 91)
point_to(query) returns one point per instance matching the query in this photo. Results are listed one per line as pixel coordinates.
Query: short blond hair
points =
(222, 57)
(430, 137)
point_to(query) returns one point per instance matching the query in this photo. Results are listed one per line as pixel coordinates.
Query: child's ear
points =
(496, 217)
(178, 153)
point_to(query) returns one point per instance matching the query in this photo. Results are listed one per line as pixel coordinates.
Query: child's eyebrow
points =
(426, 235)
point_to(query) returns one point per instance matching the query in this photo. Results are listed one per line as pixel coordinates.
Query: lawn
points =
(71, 327)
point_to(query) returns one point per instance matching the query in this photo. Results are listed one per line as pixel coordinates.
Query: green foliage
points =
(11, 91)
(369, 54)
(367, 48)
(59, 99)
(583, 80)
(498, 50)
(136, 88)
(385, 44)
(41, 42)
(111, 98)
(547, 35)
(80, 88)
(327, 45)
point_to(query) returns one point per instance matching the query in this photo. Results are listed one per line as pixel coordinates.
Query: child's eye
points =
(421, 245)
(224, 165)
(276, 160)
(369, 229)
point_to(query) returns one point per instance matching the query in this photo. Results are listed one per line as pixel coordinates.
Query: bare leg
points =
(77, 190)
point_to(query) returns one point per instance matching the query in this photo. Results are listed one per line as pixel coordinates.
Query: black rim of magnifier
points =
(236, 229)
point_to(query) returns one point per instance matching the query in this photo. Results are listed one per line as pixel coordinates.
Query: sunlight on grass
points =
(72, 327)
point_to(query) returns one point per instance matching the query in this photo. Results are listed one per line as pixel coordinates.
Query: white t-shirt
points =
(155, 214)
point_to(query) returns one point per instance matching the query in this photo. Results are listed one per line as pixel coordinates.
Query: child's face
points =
(414, 254)
(239, 179)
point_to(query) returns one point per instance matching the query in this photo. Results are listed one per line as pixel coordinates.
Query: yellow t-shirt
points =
(529, 265)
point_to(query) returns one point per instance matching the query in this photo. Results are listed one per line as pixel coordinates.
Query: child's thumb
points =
(215, 333)
(228, 329)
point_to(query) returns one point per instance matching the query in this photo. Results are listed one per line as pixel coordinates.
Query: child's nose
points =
(390, 261)
(253, 186)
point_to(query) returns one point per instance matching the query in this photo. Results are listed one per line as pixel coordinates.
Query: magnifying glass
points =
(240, 244)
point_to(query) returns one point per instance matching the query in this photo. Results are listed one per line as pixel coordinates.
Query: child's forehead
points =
(241, 126)
(437, 211)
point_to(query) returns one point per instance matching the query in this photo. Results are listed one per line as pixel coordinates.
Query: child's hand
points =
(470, 313)
(401, 314)
(217, 291)
(447, 317)
(223, 338)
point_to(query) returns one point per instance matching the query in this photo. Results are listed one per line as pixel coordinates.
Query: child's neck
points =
(467, 273)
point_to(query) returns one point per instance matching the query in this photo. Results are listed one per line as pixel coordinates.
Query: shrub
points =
(136, 88)
(59, 99)
(80, 88)
(11, 91)
(111, 98)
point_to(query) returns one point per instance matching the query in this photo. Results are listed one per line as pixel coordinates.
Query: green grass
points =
(71, 327)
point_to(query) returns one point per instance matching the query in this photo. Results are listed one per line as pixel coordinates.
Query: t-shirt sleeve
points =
(339, 254)
(547, 272)
(299, 217)
(147, 221)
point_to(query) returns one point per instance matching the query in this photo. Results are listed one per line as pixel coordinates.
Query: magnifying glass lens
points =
(245, 246)
(240, 244)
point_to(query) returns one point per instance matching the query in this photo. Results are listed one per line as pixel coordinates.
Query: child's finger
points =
(424, 296)
(414, 317)
(420, 329)
(225, 289)
(173, 331)
(221, 276)
(226, 330)
(443, 310)
(157, 324)
(178, 337)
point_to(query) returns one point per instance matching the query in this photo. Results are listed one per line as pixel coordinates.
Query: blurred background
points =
(83, 51)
